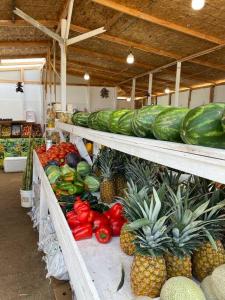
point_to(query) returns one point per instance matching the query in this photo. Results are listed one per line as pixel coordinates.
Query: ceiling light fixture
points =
(128, 99)
(130, 58)
(198, 4)
(167, 90)
(86, 76)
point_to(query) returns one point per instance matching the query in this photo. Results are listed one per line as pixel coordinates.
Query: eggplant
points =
(72, 159)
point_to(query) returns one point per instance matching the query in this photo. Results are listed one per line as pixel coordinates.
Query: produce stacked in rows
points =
(203, 125)
(184, 234)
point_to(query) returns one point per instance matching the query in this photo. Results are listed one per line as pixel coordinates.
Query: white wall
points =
(198, 97)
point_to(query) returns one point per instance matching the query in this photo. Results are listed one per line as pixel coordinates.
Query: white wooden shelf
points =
(94, 268)
(201, 161)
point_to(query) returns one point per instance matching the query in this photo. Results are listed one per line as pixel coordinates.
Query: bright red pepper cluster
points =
(55, 153)
(84, 222)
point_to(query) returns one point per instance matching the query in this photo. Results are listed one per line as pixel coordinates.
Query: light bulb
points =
(167, 90)
(128, 99)
(198, 4)
(86, 76)
(130, 58)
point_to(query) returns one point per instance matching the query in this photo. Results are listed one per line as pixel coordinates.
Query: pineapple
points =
(127, 241)
(119, 176)
(211, 253)
(148, 272)
(106, 165)
(186, 232)
(142, 172)
(120, 184)
(206, 259)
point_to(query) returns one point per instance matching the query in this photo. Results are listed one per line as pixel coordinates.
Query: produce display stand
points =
(201, 161)
(94, 269)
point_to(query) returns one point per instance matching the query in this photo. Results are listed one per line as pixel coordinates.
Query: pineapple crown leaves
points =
(107, 163)
(141, 172)
(151, 228)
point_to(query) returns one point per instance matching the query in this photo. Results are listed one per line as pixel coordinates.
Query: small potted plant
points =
(26, 191)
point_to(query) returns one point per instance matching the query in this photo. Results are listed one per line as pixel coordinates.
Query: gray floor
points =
(22, 272)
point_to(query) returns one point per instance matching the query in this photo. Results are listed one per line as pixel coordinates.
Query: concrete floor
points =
(22, 272)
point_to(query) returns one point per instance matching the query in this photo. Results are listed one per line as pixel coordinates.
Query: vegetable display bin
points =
(26, 198)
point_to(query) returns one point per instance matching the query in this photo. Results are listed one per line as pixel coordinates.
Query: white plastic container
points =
(14, 164)
(26, 198)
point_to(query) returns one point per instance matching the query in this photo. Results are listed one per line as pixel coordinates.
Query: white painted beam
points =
(177, 87)
(133, 92)
(63, 68)
(150, 88)
(38, 25)
(70, 12)
(85, 36)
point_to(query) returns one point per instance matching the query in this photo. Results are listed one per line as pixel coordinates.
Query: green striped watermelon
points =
(202, 126)
(92, 120)
(223, 121)
(103, 118)
(168, 123)
(80, 119)
(125, 123)
(114, 119)
(144, 118)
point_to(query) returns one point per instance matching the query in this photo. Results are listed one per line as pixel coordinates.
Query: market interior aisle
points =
(22, 272)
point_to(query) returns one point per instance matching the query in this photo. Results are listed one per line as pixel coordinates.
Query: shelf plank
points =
(201, 161)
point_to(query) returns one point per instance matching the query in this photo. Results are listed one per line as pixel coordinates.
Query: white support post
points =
(63, 67)
(133, 92)
(150, 88)
(177, 87)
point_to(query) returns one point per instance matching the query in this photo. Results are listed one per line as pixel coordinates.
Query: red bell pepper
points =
(100, 221)
(73, 222)
(82, 232)
(70, 214)
(116, 225)
(103, 234)
(107, 214)
(116, 211)
(81, 206)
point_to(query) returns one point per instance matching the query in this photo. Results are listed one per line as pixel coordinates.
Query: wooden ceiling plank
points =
(23, 44)
(155, 20)
(23, 23)
(145, 48)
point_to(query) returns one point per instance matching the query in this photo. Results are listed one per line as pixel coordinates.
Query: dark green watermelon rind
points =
(125, 123)
(81, 119)
(92, 121)
(168, 123)
(114, 119)
(103, 119)
(143, 120)
(202, 126)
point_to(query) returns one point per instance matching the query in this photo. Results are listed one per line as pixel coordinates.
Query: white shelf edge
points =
(201, 161)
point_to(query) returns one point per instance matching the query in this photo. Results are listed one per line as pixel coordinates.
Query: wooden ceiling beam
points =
(23, 44)
(145, 48)
(155, 20)
(23, 23)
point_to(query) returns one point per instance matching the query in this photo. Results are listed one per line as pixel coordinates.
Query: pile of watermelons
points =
(203, 125)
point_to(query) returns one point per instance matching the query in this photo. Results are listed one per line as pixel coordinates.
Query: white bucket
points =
(26, 198)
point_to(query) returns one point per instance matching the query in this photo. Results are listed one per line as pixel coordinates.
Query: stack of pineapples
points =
(174, 231)
(110, 167)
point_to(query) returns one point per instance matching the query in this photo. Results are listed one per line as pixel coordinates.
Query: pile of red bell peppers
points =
(84, 222)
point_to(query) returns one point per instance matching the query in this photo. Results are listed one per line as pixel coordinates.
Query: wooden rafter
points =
(23, 44)
(39, 26)
(155, 20)
(145, 48)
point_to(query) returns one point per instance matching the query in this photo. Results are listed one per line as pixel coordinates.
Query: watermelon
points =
(202, 126)
(91, 183)
(168, 123)
(80, 119)
(92, 120)
(103, 119)
(114, 119)
(125, 123)
(143, 120)
(83, 168)
(223, 121)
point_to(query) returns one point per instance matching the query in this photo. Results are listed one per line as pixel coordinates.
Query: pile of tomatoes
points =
(56, 153)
